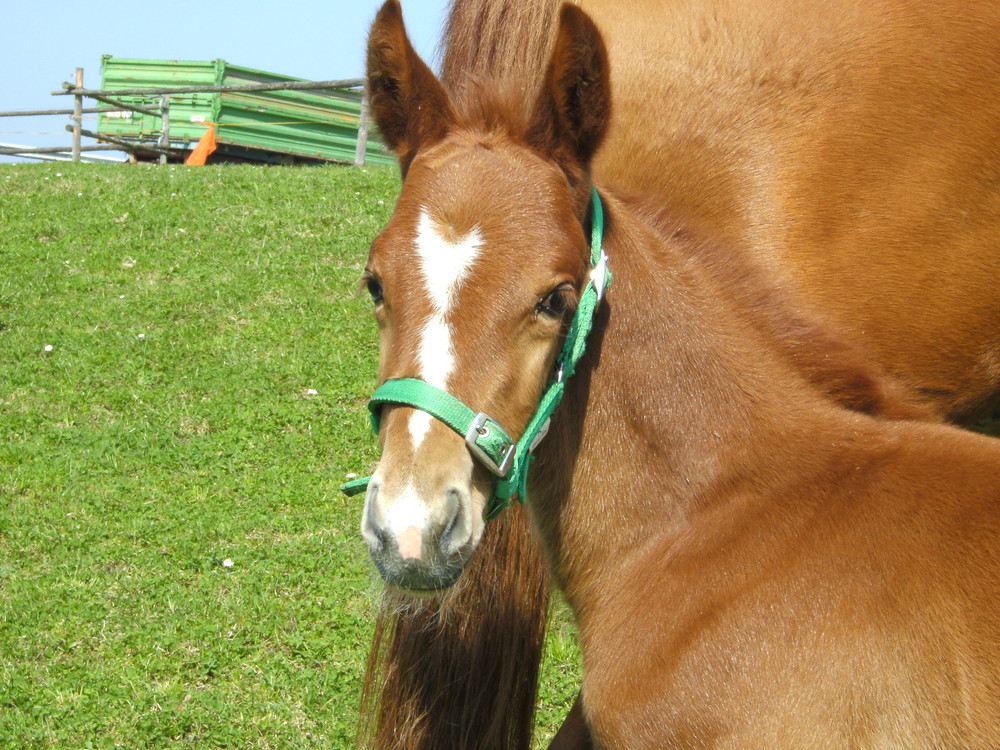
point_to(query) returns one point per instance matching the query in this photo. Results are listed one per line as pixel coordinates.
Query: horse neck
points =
(673, 411)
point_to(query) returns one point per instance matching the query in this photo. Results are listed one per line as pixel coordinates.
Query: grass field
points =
(183, 368)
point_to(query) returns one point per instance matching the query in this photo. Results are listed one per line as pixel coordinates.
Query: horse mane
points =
(460, 670)
(813, 346)
(498, 40)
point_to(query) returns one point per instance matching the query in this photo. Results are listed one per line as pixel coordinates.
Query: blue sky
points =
(42, 42)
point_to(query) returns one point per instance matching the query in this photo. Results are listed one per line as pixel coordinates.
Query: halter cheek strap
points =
(488, 442)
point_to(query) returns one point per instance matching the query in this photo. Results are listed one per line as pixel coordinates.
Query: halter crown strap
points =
(484, 437)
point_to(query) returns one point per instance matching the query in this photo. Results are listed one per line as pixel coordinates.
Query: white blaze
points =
(444, 265)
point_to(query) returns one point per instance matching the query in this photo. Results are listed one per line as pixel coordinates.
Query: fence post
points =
(362, 146)
(164, 125)
(77, 115)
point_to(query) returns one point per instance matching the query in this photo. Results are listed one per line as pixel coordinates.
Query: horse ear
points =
(574, 106)
(408, 102)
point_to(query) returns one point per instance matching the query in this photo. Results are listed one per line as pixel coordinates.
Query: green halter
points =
(485, 438)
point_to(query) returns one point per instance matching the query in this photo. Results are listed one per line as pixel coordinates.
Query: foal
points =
(750, 564)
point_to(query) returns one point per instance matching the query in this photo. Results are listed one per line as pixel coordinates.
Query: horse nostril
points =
(378, 536)
(371, 531)
(456, 533)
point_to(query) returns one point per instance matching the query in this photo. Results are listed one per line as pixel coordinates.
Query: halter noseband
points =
(488, 442)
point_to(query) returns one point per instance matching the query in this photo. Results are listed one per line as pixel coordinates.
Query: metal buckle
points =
(542, 432)
(599, 275)
(480, 429)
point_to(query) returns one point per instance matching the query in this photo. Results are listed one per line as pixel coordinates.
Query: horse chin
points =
(419, 577)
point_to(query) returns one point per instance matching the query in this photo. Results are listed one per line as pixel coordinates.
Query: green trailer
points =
(287, 126)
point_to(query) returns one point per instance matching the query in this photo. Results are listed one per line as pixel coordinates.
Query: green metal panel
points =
(188, 112)
(313, 124)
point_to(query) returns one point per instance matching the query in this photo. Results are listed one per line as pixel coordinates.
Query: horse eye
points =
(554, 303)
(375, 290)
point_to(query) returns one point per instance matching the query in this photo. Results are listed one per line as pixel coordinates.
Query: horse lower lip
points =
(423, 585)
(417, 593)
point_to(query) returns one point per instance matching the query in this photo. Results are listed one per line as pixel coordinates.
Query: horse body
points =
(750, 563)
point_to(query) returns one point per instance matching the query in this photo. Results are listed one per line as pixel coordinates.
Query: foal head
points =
(474, 279)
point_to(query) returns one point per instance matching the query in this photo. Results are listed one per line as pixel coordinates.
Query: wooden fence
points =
(112, 104)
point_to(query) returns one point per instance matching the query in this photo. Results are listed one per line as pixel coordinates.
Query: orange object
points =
(204, 149)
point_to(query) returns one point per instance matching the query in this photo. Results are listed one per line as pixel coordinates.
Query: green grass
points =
(177, 566)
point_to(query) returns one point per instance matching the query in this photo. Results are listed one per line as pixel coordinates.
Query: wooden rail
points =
(156, 148)
(33, 112)
(348, 83)
(54, 149)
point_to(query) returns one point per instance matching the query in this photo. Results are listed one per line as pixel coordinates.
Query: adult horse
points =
(849, 145)
(737, 581)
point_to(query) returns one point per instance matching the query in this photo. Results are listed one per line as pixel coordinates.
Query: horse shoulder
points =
(869, 585)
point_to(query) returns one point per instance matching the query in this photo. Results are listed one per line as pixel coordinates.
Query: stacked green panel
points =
(316, 124)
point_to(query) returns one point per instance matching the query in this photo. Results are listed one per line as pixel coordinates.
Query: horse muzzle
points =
(420, 545)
